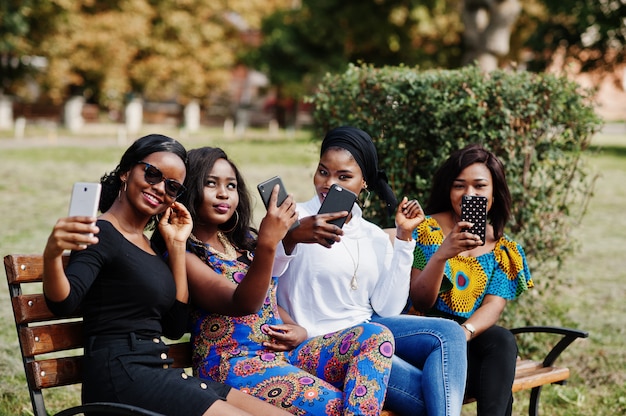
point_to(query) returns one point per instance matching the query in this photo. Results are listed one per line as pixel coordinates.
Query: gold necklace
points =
(230, 252)
(355, 263)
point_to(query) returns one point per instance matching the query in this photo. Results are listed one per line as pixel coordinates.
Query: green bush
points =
(538, 125)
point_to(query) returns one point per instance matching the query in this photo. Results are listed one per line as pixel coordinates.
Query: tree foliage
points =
(302, 44)
(108, 49)
(185, 49)
(322, 36)
(13, 46)
(591, 33)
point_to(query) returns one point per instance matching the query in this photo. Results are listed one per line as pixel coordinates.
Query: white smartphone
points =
(85, 200)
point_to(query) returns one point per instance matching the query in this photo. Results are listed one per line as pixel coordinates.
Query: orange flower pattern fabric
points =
(502, 272)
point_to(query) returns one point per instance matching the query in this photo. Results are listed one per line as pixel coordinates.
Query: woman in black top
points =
(129, 295)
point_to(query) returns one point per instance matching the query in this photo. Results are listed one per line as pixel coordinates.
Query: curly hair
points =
(141, 148)
(439, 200)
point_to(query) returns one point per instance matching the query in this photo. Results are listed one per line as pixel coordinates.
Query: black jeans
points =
(491, 360)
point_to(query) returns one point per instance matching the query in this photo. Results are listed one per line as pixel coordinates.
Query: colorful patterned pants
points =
(343, 373)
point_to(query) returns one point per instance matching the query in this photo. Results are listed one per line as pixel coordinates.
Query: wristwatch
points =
(470, 328)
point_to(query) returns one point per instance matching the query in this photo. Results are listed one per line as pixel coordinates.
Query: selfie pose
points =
(240, 336)
(459, 276)
(338, 276)
(128, 294)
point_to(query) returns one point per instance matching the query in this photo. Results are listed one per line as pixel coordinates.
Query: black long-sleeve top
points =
(121, 288)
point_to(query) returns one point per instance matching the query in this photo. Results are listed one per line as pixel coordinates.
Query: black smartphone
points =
(338, 199)
(474, 210)
(85, 199)
(266, 187)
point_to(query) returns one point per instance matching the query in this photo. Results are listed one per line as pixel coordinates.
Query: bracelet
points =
(469, 328)
(408, 239)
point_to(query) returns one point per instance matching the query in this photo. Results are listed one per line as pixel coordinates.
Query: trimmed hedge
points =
(539, 125)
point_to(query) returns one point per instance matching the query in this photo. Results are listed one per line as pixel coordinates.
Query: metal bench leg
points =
(533, 403)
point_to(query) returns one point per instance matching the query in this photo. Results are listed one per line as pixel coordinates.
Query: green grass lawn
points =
(37, 179)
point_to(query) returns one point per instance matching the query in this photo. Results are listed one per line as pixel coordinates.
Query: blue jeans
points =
(429, 367)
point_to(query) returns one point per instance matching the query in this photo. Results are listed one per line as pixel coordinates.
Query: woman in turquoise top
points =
(456, 276)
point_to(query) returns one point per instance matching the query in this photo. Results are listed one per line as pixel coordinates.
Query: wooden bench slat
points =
(43, 339)
(31, 308)
(56, 371)
(539, 377)
(25, 268)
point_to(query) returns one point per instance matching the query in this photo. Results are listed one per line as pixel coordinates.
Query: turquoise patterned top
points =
(502, 272)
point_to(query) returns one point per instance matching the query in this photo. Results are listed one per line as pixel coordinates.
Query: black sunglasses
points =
(153, 175)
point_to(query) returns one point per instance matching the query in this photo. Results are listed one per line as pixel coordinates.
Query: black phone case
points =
(265, 189)
(338, 199)
(474, 210)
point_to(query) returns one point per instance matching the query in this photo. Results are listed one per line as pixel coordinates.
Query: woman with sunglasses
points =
(240, 335)
(128, 294)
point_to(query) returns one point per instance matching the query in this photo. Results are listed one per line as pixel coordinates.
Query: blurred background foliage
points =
(111, 50)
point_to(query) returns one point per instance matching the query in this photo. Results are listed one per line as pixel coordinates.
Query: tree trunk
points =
(488, 25)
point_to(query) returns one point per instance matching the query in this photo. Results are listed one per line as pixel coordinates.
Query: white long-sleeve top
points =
(315, 284)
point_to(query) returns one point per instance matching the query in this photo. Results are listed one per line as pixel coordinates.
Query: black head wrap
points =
(362, 148)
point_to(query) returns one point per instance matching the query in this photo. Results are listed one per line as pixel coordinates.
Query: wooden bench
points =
(41, 334)
(51, 347)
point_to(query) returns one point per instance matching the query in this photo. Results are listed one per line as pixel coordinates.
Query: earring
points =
(122, 189)
(235, 225)
(368, 193)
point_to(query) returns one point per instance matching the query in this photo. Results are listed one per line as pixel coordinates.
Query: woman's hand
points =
(458, 241)
(408, 216)
(71, 233)
(176, 224)
(284, 337)
(315, 229)
(277, 220)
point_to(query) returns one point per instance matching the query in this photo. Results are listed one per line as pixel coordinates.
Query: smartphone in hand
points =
(474, 210)
(265, 190)
(338, 199)
(85, 199)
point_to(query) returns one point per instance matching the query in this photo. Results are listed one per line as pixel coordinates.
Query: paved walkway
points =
(106, 135)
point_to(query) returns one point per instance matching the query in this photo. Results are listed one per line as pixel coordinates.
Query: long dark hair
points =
(140, 149)
(237, 229)
(439, 200)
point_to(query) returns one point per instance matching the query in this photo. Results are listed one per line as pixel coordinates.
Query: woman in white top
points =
(347, 276)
